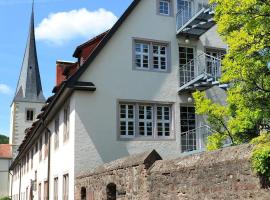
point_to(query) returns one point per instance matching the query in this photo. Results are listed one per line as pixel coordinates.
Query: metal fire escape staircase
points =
(200, 74)
(195, 19)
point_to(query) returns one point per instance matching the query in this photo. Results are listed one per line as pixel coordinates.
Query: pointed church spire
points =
(29, 84)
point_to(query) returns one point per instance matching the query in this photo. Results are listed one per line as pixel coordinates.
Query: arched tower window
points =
(83, 193)
(111, 191)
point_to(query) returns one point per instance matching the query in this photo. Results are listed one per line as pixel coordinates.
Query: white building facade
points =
(133, 94)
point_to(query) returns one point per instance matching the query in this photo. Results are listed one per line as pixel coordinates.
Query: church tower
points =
(29, 98)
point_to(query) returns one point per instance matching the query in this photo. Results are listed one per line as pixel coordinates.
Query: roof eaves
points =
(104, 41)
(78, 49)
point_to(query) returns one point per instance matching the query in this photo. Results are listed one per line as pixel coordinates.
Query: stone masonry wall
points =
(129, 174)
(225, 174)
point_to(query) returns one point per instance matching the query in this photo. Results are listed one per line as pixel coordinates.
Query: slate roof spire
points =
(29, 86)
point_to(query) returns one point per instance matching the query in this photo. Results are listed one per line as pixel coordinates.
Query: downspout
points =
(11, 186)
(49, 163)
(20, 181)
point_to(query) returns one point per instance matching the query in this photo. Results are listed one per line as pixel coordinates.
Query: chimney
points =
(64, 70)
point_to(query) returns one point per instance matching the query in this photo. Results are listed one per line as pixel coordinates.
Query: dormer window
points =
(165, 7)
(30, 114)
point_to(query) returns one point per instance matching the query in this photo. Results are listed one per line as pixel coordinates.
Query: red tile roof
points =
(5, 151)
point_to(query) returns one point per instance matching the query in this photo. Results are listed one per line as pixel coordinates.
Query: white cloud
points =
(5, 89)
(61, 27)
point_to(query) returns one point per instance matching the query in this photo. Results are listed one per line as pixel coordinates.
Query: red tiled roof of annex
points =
(5, 151)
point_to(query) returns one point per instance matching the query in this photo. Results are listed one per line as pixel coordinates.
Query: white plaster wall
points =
(4, 177)
(40, 167)
(62, 162)
(62, 159)
(96, 122)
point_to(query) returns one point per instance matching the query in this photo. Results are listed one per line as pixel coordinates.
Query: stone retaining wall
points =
(224, 174)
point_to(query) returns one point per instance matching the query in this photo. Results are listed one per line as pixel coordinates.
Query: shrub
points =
(261, 155)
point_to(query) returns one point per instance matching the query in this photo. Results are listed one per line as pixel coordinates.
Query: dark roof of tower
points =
(29, 84)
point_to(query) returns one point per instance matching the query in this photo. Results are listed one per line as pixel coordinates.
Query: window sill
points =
(138, 139)
(151, 70)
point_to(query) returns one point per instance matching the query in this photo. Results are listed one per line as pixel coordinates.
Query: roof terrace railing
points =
(188, 10)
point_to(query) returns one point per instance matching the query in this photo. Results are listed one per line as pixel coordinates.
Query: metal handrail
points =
(185, 14)
(196, 139)
(202, 64)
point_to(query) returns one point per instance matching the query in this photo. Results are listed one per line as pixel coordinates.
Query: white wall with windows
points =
(136, 106)
(34, 165)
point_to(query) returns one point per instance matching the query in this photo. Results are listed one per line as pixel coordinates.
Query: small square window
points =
(164, 7)
(29, 115)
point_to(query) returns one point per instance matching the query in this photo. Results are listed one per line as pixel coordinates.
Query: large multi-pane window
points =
(65, 186)
(188, 128)
(145, 120)
(66, 122)
(56, 132)
(55, 190)
(151, 56)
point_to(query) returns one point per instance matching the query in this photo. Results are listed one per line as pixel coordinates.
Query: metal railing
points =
(188, 9)
(196, 139)
(203, 64)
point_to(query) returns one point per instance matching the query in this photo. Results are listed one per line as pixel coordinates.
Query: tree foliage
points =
(245, 26)
(4, 139)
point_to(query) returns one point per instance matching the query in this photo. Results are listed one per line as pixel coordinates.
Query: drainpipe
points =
(11, 186)
(20, 181)
(49, 163)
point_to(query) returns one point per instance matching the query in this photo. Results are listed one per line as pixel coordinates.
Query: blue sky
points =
(59, 43)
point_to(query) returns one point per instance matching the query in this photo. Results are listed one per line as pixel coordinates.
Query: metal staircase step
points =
(224, 86)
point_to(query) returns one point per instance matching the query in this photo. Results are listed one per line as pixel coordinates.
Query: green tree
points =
(4, 139)
(245, 26)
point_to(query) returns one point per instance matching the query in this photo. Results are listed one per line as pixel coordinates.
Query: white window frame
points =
(162, 10)
(163, 120)
(145, 121)
(126, 120)
(141, 54)
(194, 141)
(170, 8)
(159, 56)
(154, 121)
(151, 55)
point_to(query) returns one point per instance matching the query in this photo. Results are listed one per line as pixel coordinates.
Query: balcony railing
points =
(189, 10)
(196, 139)
(204, 65)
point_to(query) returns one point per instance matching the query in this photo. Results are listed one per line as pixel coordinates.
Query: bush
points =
(261, 155)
